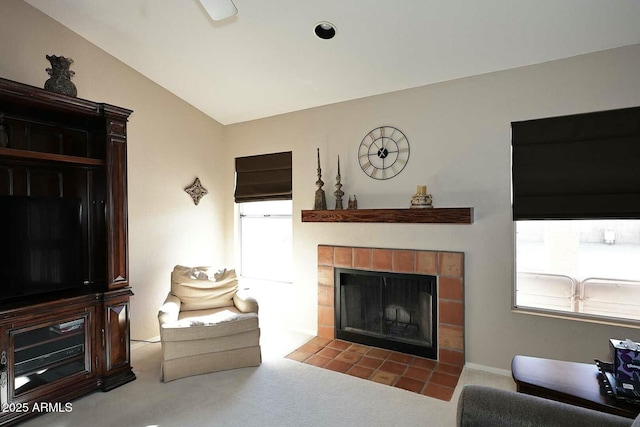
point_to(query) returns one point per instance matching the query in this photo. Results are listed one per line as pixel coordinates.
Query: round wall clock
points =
(383, 152)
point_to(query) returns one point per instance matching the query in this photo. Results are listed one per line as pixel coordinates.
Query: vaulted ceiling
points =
(267, 60)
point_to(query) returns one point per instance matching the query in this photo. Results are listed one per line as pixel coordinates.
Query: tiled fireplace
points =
(447, 267)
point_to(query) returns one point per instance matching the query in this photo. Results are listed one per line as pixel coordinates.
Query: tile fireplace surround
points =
(447, 267)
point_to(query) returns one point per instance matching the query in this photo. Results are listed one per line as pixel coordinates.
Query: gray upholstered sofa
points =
(485, 406)
(207, 324)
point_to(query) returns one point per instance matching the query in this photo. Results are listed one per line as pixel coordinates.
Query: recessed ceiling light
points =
(325, 30)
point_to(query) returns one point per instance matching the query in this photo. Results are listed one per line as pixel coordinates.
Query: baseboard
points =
(139, 343)
(490, 369)
(304, 331)
(284, 326)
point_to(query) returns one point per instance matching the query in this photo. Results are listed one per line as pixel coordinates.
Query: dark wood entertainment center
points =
(56, 346)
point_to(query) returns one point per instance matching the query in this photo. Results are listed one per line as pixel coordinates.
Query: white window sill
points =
(580, 317)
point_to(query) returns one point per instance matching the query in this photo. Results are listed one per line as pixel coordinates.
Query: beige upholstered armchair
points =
(206, 325)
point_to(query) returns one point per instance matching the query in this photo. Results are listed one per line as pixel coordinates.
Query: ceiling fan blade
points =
(219, 9)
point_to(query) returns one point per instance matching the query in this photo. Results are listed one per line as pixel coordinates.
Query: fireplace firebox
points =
(388, 310)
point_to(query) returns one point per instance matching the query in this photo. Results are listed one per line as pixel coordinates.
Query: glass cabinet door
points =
(45, 353)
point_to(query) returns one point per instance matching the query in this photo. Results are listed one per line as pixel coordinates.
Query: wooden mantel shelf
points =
(417, 216)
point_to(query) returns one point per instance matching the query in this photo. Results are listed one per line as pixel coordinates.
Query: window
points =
(576, 207)
(265, 240)
(589, 267)
(263, 192)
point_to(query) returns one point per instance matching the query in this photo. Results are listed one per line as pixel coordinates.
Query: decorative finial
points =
(321, 201)
(338, 193)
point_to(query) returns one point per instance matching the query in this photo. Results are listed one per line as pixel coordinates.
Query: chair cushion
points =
(203, 287)
(211, 323)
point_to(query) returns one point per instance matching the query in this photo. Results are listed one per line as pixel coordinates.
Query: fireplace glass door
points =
(388, 310)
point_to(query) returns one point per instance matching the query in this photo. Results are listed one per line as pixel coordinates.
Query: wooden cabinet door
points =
(117, 237)
(46, 358)
(116, 312)
(115, 341)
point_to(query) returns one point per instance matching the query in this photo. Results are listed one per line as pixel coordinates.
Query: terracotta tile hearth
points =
(412, 373)
(435, 378)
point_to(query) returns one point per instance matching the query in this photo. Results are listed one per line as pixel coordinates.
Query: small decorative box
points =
(626, 361)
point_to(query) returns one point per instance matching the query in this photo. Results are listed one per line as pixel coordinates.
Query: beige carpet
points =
(280, 392)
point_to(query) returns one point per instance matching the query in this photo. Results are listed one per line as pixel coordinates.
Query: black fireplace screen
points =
(388, 310)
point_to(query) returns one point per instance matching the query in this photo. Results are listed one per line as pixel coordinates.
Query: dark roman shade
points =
(584, 166)
(263, 177)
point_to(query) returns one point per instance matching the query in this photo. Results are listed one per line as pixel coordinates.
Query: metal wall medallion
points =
(196, 191)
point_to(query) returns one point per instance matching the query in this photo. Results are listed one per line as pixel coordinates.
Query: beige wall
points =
(170, 143)
(460, 148)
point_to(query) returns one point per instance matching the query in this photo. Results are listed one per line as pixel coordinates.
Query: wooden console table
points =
(569, 382)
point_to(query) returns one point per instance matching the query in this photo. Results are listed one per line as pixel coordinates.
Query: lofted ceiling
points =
(267, 60)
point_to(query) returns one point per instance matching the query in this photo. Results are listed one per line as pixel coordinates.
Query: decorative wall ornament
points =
(338, 193)
(196, 191)
(60, 80)
(321, 201)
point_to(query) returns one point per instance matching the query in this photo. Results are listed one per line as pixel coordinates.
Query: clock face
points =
(383, 152)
